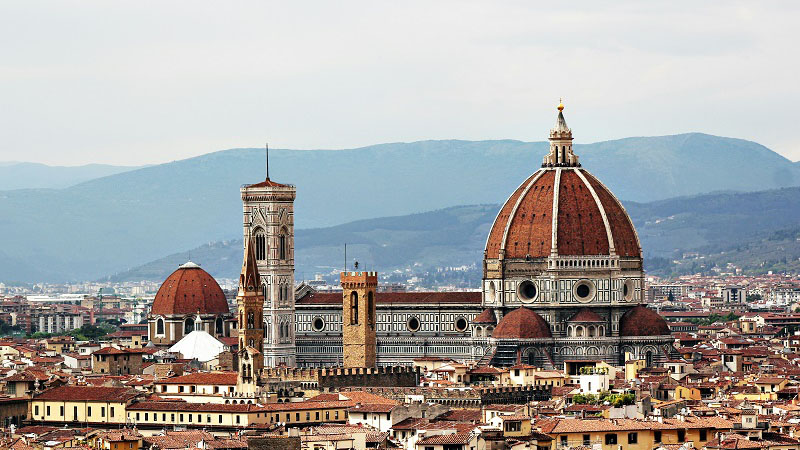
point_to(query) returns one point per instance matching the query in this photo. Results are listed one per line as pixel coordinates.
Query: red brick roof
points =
(373, 408)
(586, 315)
(267, 183)
(487, 316)
(317, 298)
(88, 393)
(524, 225)
(522, 323)
(190, 290)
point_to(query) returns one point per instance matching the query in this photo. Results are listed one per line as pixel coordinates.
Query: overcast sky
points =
(137, 82)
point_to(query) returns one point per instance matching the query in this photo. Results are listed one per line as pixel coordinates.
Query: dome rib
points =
(494, 241)
(626, 239)
(513, 216)
(581, 230)
(609, 234)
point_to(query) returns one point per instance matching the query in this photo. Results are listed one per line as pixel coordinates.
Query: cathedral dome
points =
(585, 225)
(562, 208)
(522, 323)
(189, 290)
(642, 321)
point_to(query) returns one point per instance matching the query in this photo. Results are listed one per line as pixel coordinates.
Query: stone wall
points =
(274, 443)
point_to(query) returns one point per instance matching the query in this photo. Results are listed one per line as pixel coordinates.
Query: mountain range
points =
(26, 175)
(756, 231)
(110, 224)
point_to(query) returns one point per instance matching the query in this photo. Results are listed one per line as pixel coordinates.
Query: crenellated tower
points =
(358, 318)
(268, 212)
(250, 314)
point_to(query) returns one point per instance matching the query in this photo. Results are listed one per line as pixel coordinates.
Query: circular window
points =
(461, 324)
(527, 291)
(413, 324)
(584, 291)
(318, 324)
(628, 290)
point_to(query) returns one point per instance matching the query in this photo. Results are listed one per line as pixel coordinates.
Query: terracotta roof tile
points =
(88, 393)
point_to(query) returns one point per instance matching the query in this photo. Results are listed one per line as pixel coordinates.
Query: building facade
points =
(563, 280)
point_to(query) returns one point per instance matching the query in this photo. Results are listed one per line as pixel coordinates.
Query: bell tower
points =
(250, 305)
(358, 318)
(268, 212)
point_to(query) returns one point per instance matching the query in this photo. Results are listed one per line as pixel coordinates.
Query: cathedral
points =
(562, 281)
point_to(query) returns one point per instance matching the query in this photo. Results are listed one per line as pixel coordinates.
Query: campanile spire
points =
(560, 144)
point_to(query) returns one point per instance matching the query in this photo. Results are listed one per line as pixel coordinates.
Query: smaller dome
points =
(522, 323)
(586, 315)
(487, 316)
(190, 290)
(642, 321)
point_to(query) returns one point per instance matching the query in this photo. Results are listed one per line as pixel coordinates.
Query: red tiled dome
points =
(524, 226)
(642, 321)
(586, 315)
(522, 323)
(190, 290)
(487, 316)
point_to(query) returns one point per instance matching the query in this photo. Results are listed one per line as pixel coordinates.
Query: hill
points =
(110, 224)
(747, 229)
(25, 175)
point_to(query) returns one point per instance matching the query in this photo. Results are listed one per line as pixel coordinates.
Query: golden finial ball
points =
(561, 106)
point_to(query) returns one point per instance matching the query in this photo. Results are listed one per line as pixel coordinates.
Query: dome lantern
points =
(561, 154)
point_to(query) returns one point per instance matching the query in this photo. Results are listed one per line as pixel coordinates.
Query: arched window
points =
(188, 325)
(591, 330)
(264, 292)
(354, 308)
(648, 358)
(219, 327)
(579, 331)
(282, 244)
(160, 326)
(251, 320)
(371, 309)
(261, 244)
